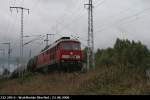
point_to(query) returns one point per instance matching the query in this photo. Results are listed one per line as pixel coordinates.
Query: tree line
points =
(123, 53)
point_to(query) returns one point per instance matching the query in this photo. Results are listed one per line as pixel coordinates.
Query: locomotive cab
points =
(71, 55)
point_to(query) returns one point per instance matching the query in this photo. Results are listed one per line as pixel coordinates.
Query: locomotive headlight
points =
(78, 57)
(71, 56)
(65, 56)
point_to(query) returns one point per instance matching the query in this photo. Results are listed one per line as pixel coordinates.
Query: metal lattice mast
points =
(92, 35)
(21, 38)
(46, 40)
(90, 41)
(21, 34)
(22, 29)
(9, 52)
(30, 53)
(3, 54)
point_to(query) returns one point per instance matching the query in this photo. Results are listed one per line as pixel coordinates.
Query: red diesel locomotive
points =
(63, 54)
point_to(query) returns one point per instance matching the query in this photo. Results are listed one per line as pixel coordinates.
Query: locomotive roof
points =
(58, 41)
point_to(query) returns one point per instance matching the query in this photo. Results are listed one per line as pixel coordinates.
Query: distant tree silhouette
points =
(124, 52)
(6, 72)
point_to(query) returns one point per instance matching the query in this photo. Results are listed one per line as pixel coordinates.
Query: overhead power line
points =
(125, 18)
(100, 3)
(134, 15)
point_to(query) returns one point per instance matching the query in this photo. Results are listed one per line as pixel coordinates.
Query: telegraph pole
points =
(46, 40)
(22, 29)
(90, 42)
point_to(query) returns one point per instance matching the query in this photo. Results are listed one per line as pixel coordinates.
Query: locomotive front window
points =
(76, 46)
(67, 46)
(71, 46)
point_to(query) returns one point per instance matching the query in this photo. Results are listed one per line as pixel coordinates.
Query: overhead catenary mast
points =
(9, 52)
(46, 40)
(21, 33)
(22, 29)
(90, 42)
(3, 54)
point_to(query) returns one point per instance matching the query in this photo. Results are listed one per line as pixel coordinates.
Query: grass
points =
(114, 80)
(102, 81)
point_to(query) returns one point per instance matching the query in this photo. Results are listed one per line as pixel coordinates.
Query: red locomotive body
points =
(64, 54)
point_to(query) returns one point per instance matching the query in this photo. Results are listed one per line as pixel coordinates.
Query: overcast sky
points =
(112, 19)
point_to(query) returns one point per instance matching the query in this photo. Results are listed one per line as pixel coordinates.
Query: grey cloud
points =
(70, 17)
